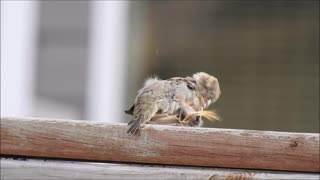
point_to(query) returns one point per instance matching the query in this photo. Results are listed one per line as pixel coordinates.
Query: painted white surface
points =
(107, 60)
(18, 38)
(50, 169)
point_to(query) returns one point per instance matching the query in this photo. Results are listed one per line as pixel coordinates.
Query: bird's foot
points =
(191, 119)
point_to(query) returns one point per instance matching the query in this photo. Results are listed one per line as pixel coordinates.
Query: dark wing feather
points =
(130, 111)
(134, 125)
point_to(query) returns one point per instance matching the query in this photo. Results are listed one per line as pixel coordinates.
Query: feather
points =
(209, 115)
(151, 80)
(134, 125)
(130, 111)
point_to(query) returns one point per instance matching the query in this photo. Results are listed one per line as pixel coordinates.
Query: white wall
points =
(107, 61)
(18, 40)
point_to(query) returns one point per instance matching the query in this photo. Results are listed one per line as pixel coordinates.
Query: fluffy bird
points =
(175, 101)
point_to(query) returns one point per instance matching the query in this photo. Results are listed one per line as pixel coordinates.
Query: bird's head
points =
(207, 87)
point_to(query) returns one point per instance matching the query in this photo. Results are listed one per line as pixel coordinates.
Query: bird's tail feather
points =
(134, 126)
(136, 123)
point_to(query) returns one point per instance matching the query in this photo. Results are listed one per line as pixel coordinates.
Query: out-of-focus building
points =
(265, 55)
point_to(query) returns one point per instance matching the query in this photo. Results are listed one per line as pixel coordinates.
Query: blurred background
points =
(87, 59)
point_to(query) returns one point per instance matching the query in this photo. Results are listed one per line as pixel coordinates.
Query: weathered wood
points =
(39, 169)
(88, 140)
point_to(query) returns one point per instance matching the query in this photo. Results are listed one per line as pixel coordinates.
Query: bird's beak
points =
(209, 102)
(205, 105)
(203, 102)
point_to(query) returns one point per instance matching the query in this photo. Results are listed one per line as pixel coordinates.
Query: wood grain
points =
(210, 147)
(40, 169)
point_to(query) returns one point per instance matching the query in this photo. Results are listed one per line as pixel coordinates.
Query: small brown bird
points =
(175, 101)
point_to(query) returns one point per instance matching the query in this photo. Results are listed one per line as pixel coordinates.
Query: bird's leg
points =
(188, 116)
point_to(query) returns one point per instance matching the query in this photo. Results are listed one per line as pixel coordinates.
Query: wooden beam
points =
(211, 147)
(40, 169)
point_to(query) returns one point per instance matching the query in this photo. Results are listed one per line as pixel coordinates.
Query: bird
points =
(174, 101)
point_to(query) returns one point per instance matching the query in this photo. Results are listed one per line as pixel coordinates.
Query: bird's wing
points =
(186, 93)
(144, 109)
(147, 87)
(188, 81)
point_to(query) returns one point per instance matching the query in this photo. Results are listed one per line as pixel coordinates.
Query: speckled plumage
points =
(175, 96)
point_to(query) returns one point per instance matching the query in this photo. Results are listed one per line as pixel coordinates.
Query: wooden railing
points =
(156, 145)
